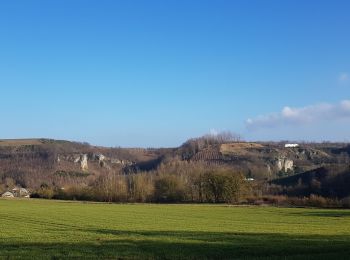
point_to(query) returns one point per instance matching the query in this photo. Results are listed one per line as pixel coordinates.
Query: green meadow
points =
(44, 229)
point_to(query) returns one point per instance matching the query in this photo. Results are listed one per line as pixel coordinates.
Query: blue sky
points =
(155, 73)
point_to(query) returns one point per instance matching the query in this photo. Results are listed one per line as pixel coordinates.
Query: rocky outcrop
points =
(269, 171)
(122, 162)
(284, 164)
(288, 165)
(77, 159)
(82, 159)
(100, 157)
(84, 162)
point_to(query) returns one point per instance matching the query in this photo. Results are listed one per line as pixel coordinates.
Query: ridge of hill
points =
(31, 162)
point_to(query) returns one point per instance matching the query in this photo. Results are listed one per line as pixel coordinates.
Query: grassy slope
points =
(42, 229)
(19, 142)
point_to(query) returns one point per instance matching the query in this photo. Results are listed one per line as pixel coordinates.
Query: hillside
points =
(32, 163)
(271, 160)
(328, 181)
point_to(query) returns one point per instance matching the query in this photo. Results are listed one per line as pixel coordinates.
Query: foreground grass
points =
(56, 229)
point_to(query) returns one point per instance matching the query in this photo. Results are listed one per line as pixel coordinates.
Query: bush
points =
(268, 200)
(223, 186)
(75, 193)
(169, 189)
(314, 201)
(317, 201)
(44, 193)
(345, 202)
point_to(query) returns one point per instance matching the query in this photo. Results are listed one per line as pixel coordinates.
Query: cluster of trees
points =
(171, 183)
(332, 181)
(194, 145)
(24, 166)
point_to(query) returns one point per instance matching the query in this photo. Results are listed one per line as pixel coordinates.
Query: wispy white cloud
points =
(302, 116)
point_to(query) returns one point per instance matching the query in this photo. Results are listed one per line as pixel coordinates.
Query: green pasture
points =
(44, 229)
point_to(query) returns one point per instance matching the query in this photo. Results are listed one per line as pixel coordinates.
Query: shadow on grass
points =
(185, 245)
(341, 213)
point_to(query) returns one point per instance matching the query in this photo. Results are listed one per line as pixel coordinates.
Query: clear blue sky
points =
(155, 73)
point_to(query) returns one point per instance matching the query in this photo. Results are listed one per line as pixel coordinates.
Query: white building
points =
(291, 145)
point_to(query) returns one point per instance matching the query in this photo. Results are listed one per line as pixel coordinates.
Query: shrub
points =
(223, 186)
(169, 189)
(345, 202)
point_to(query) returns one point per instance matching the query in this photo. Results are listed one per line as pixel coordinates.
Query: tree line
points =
(178, 182)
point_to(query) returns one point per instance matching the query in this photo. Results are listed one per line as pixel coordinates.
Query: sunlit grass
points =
(46, 229)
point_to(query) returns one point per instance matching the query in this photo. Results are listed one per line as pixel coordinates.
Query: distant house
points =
(20, 192)
(249, 179)
(7, 194)
(291, 145)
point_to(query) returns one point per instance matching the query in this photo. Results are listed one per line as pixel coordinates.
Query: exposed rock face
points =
(122, 162)
(77, 159)
(288, 165)
(269, 171)
(279, 164)
(284, 164)
(82, 159)
(93, 158)
(100, 157)
(101, 160)
(84, 162)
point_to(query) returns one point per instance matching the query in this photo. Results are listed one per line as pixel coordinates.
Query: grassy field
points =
(56, 229)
